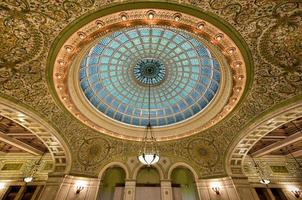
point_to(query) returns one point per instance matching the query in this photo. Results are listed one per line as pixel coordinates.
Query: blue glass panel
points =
(205, 81)
(97, 87)
(189, 100)
(118, 116)
(89, 93)
(129, 110)
(156, 32)
(144, 122)
(126, 119)
(122, 38)
(122, 107)
(179, 117)
(153, 122)
(168, 111)
(115, 104)
(137, 112)
(175, 108)
(84, 84)
(160, 113)
(186, 46)
(195, 109)
(108, 99)
(168, 34)
(203, 52)
(182, 105)
(83, 73)
(109, 112)
(161, 121)
(132, 34)
(214, 86)
(199, 88)
(216, 65)
(216, 76)
(209, 95)
(171, 120)
(187, 113)
(202, 103)
(104, 60)
(102, 93)
(94, 78)
(135, 121)
(102, 107)
(195, 95)
(93, 60)
(94, 100)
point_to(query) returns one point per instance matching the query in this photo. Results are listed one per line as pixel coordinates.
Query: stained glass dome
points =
(116, 72)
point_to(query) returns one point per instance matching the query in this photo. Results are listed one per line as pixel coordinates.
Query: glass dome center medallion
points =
(149, 71)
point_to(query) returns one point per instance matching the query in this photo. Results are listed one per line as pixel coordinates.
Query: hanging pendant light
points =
(30, 178)
(149, 154)
(260, 172)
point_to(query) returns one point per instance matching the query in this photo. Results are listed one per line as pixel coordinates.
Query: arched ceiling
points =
(269, 31)
(17, 139)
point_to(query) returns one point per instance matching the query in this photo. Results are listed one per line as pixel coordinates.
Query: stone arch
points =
(157, 167)
(45, 132)
(182, 164)
(114, 164)
(250, 136)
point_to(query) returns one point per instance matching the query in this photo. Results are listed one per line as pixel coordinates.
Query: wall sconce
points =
(265, 181)
(297, 193)
(216, 190)
(80, 185)
(28, 179)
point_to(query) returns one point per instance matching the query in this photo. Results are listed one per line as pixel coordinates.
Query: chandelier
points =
(148, 155)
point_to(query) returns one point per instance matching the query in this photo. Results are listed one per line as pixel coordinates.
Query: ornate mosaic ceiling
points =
(196, 73)
(33, 77)
(183, 75)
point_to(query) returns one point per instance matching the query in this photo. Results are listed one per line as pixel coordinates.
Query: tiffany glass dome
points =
(118, 69)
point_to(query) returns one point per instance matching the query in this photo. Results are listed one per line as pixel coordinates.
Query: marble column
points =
(166, 190)
(129, 192)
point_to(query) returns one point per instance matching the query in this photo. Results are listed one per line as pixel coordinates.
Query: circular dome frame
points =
(95, 27)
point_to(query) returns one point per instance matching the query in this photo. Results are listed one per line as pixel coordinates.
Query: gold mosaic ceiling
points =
(269, 31)
(230, 65)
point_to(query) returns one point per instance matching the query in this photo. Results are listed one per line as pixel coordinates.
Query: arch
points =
(250, 136)
(56, 145)
(161, 174)
(182, 164)
(114, 164)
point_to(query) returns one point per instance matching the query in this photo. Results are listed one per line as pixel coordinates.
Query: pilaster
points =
(129, 192)
(166, 190)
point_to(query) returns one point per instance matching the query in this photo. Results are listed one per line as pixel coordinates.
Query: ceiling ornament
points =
(93, 151)
(86, 43)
